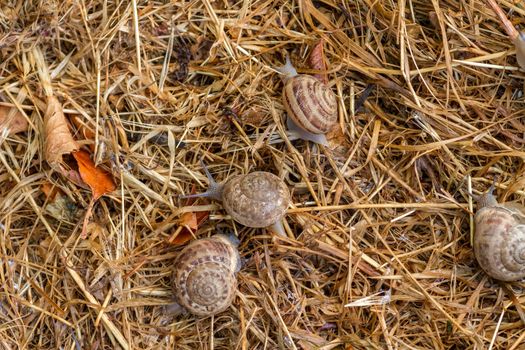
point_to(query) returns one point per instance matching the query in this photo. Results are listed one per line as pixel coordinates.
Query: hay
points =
(379, 253)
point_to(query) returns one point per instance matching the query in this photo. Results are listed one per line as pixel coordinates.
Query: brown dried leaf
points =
(59, 205)
(201, 49)
(96, 178)
(189, 220)
(317, 61)
(13, 120)
(58, 139)
(189, 223)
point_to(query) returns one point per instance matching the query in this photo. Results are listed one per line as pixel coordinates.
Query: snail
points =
(204, 280)
(310, 105)
(499, 238)
(257, 199)
(519, 42)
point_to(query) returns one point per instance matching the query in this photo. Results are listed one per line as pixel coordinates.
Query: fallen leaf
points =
(13, 120)
(180, 236)
(189, 220)
(50, 191)
(96, 178)
(317, 61)
(201, 49)
(188, 224)
(58, 139)
(58, 205)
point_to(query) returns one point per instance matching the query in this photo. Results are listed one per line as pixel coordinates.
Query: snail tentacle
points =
(288, 70)
(214, 188)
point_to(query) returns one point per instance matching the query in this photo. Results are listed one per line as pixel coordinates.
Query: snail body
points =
(499, 240)
(204, 279)
(258, 199)
(310, 105)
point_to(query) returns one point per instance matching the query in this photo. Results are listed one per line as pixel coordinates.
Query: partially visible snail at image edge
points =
(499, 238)
(311, 106)
(258, 199)
(519, 43)
(204, 277)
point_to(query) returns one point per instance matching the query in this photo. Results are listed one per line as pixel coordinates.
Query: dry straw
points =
(378, 254)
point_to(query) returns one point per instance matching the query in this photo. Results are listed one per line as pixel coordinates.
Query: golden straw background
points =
(378, 254)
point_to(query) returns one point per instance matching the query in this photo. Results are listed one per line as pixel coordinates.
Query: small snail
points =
(499, 238)
(310, 105)
(204, 281)
(257, 199)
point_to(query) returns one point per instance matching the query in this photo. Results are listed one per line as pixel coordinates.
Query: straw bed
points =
(379, 251)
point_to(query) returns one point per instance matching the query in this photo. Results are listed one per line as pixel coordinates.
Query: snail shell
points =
(519, 42)
(204, 280)
(499, 240)
(310, 104)
(258, 199)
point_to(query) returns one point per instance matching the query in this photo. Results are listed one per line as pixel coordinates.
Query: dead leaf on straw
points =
(317, 61)
(50, 191)
(189, 220)
(188, 224)
(98, 180)
(58, 138)
(60, 206)
(201, 49)
(12, 120)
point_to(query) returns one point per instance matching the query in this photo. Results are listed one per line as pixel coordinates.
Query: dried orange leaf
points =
(50, 191)
(189, 220)
(318, 61)
(58, 138)
(180, 236)
(13, 120)
(96, 178)
(189, 224)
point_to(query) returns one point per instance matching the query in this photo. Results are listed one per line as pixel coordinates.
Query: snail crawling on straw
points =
(257, 199)
(204, 278)
(499, 238)
(310, 105)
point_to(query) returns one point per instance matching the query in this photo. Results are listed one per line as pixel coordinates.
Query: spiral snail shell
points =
(257, 199)
(311, 106)
(204, 280)
(499, 239)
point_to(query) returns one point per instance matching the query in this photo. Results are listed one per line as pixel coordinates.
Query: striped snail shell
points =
(499, 240)
(310, 104)
(204, 280)
(258, 199)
